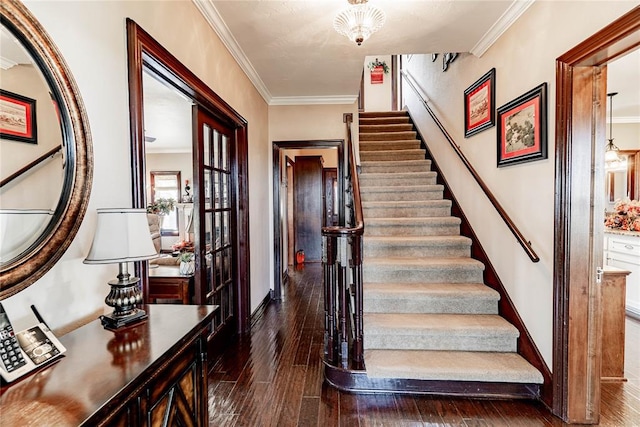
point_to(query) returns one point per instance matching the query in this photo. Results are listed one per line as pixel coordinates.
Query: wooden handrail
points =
(358, 228)
(30, 166)
(526, 244)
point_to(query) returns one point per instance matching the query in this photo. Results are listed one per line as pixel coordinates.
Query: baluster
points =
(356, 265)
(343, 301)
(329, 246)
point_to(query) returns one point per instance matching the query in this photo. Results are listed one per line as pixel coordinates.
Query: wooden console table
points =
(613, 323)
(151, 373)
(167, 283)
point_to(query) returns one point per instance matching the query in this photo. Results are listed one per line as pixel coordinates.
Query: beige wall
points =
(377, 97)
(92, 38)
(524, 57)
(45, 182)
(626, 136)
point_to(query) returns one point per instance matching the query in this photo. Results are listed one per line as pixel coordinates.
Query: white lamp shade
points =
(122, 235)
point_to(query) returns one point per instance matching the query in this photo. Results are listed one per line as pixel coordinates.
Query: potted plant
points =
(379, 65)
(161, 206)
(187, 263)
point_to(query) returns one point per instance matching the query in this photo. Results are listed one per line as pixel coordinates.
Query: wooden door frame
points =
(580, 121)
(277, 213)
(144, 51)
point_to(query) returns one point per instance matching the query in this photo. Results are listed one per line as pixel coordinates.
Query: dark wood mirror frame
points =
(47, 250)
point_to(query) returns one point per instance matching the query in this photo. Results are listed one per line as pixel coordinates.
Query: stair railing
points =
(526, 244)
(27, 168)
(342, 274)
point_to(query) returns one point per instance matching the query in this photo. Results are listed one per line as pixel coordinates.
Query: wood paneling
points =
(613, 320)
(308, 208)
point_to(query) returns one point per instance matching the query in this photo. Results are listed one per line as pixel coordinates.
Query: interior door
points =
(216, 242)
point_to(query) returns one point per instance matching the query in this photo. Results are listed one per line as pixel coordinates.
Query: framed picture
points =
(522, 128)
(17, 117)
(480, 104)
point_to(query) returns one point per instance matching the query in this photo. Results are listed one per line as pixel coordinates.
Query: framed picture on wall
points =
(479, 104)
(17, 117)
(522, 128)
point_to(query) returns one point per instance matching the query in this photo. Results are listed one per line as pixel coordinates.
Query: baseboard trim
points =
(259, 311)
(358, 382)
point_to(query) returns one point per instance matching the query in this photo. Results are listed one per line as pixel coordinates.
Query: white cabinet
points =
(622, 250)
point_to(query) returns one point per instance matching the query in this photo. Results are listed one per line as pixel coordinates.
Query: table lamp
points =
(122, 236)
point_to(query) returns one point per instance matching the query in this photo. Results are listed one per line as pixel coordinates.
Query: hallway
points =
(274, 378)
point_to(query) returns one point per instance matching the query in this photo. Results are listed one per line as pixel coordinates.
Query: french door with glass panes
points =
(216, 244)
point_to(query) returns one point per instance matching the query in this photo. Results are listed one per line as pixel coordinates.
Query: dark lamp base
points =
(109, 321)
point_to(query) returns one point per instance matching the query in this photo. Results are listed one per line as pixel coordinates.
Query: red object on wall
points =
(377, 75)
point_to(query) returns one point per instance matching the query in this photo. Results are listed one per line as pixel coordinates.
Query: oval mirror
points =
(46, 160)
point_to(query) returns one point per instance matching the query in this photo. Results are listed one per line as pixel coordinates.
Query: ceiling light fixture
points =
(611, 158)
(359, 21)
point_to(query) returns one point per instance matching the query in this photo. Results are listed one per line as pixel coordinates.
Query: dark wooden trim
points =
(359, 382)
(262, 307)
(144, 51)
(361, 93)
(394, 83)
(526, 244)
(277, 231)
(570, 292)
(506, 308)
(30, 166)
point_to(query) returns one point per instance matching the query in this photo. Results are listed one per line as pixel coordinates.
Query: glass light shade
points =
(122, 235)
(359, 21)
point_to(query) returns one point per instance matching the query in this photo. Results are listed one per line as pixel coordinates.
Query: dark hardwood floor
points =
(274, 378)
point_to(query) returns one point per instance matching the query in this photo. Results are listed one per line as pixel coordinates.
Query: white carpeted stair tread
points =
(407, 204)
(438, 323)
(461, 298)
(405, 262)
(405, 189)
(400, 164)
(439, 331)
(451, 365)
(397, 175)
(417, 240)
(402, 222)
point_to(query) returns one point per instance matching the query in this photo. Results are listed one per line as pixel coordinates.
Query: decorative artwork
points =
(479, 104)
(522, 128)
(378, 69)
(17, 117)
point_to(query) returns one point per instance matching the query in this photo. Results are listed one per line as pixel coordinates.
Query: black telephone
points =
(27, 350)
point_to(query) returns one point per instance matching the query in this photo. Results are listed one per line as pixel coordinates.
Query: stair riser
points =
(380, 128)
(383, 114)
(400, 180)
(391, 145)
(412, 230)
(451, 340)
(406, 212)
(419, 274)
(387, 155)
(425, 250)
(383, 121)
(388, 196)
(424, 167)
(428, 304)
(387, 136)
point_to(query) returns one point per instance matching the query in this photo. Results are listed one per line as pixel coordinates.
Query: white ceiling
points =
(293, 55)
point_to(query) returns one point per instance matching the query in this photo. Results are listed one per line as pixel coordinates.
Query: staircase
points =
(428, 316)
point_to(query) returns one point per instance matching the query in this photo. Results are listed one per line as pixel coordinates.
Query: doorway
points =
(222, 267)
(281, 186)
(579, 212)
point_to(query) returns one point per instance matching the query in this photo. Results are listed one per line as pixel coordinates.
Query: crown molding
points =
(6, 63)
(627, 119)
(511, 15)
(214, 19)
(313, 100)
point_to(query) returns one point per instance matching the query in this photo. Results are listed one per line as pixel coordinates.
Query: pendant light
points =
(359, 21)
(611, 158)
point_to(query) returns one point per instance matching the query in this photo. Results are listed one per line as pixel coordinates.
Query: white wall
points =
(92, 39)
(524, 57)
(377, 97)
